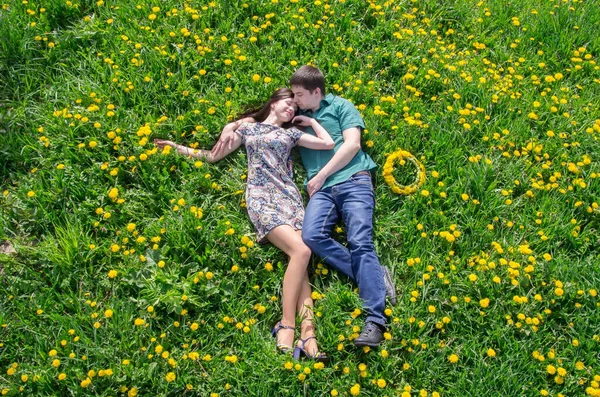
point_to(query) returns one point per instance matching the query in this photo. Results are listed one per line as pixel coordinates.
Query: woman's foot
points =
(301, 351)
(311, 346)
(285, 337)
(307, 334)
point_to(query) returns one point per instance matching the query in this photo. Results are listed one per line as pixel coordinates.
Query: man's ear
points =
(318, 91)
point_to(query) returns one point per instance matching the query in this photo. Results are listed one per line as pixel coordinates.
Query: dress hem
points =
(264, 239)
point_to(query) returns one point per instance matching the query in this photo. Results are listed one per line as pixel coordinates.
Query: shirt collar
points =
(327, 100)
(324, 102)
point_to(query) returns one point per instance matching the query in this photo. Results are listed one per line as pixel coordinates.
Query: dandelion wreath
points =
(402, 156)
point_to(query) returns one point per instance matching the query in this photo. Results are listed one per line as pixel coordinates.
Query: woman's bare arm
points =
(201, 154)
(322, 141)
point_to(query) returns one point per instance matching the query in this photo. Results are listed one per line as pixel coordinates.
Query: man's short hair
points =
(309, 78)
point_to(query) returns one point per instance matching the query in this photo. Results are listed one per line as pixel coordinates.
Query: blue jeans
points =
(354, 202)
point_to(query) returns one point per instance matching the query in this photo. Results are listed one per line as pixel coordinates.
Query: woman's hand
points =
(161, 143)
(322, 140)
(302, 121)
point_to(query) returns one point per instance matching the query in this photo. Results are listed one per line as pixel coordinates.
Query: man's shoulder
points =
(342, 103)
(338, 100)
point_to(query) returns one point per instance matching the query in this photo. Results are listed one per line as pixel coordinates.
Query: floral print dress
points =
(272, 198)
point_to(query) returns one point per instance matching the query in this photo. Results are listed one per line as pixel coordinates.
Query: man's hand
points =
(225, 140)
(315, 184)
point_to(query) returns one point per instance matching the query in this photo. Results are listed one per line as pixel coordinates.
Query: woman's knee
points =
(302, 252)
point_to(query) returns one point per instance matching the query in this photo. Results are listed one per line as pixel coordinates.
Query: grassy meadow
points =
(136, 271)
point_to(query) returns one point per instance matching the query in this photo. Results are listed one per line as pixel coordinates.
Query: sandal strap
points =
(281, 326)
(317, 355)
(305, 340)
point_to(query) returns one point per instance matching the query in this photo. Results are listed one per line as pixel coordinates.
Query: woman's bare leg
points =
(305, 311)
(295, 280)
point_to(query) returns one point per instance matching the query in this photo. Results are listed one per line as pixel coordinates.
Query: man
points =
(340, 188)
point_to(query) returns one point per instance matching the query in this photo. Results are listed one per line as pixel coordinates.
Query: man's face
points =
(305, 99)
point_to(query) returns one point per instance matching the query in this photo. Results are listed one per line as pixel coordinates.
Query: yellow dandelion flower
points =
(484, 302)
(113, 193)
(559, 291)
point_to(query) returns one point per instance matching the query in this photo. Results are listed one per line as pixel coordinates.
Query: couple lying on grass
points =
(339, 186)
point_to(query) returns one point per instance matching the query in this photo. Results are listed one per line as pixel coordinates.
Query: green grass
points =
(497, 100)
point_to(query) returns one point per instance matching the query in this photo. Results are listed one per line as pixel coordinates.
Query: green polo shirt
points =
(335, 114)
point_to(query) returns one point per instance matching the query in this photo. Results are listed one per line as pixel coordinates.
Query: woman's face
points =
(284, 109)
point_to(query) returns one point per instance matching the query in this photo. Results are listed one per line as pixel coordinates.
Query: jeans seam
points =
(325, 220)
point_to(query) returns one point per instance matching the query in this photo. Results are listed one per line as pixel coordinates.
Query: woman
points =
(274, 203)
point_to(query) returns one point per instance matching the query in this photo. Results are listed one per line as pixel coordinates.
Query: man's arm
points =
(227, 137)
(340, 159)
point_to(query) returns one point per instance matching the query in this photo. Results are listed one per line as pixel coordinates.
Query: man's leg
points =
(356, 201)
(319, 219)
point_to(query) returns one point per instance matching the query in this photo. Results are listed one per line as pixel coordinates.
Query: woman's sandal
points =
(300, 352)
(281, 347)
